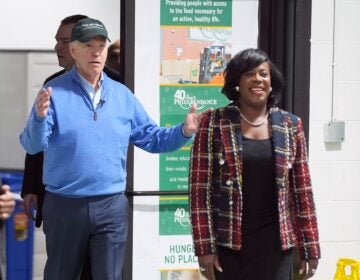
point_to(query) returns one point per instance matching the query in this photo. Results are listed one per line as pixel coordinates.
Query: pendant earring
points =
(270, 89)
(237, 88)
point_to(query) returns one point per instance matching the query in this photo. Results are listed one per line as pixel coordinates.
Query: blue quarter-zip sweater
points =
(85, 149)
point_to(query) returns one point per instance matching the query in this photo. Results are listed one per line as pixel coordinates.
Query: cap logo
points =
(92, 26)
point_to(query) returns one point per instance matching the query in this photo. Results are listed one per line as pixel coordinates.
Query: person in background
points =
(7, 205)
(251, 198)
(85, 121)
(113, 57)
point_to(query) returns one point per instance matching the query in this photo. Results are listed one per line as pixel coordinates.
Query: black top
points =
(259, 188)
(260, 256)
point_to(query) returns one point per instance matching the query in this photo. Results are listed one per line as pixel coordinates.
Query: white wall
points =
(21, 76)
(33, 24)
(336, 167)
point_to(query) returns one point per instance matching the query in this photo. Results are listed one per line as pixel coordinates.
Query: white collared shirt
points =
(95, 95)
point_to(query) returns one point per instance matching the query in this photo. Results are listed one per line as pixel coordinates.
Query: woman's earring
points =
(237, 88)
(270, 89)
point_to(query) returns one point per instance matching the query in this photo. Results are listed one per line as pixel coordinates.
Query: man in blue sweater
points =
(84, 122)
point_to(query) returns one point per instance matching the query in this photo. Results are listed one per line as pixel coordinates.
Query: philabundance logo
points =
(177, 100)
(185, 100)
(181, 216)
(174, 216)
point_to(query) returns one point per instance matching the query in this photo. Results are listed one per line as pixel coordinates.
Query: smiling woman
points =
(235, 213)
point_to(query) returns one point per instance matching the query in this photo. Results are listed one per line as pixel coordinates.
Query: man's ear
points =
(73, 50)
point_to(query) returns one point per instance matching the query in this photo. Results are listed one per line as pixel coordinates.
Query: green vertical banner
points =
(182, 51)
(194, 50)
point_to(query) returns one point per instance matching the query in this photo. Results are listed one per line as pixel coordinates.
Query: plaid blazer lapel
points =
(231, 139)
(281, 141)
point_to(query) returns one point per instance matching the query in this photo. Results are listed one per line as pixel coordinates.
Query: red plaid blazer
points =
(216, 180)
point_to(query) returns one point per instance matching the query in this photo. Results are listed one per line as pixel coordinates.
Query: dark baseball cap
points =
(86, 29)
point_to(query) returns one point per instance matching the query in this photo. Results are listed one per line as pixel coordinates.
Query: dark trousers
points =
(77, 227)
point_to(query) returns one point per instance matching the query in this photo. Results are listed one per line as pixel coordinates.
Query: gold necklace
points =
(260, 123)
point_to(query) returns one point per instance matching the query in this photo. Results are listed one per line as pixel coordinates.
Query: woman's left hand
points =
(308, 268)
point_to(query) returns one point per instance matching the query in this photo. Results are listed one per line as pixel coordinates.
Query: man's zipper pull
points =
(95, 116)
